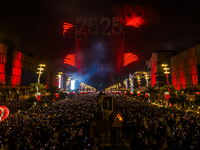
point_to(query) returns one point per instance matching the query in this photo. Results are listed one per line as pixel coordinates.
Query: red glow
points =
(57, 95)
(139, 86)
(167, 96)
(134, 17)
(66, 26)
(38, 97)
(129, 58)
(146, 95)
(168, 83)
(16, 68)
(134, 21)
(153, 76)
(78, 56)
(120, 54)
(5, 111)
(2, 68)
(70, 60)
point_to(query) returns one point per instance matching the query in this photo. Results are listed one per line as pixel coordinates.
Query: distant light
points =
(73, 84)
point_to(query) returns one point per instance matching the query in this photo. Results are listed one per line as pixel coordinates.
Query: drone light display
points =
(129, 58)
(134, 21)
(134, 17)
(70, 60)
(66, 26)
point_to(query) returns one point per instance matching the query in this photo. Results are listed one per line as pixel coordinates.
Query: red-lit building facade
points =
(185, 68)
(17, 70)
(155, 70)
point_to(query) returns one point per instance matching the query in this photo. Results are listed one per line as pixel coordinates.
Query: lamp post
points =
(39, 72)
(166, 71)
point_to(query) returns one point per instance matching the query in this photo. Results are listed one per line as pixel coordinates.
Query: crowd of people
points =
(70, 124)
(157, 128)
(62, 125)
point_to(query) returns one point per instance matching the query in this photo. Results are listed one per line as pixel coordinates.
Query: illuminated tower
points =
(99, 46)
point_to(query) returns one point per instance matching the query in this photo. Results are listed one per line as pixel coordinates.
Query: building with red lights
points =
(185, 68)
(139, 81)
(17, 70)
(155, 70)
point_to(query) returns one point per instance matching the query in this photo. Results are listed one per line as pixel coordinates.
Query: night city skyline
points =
(36, 27)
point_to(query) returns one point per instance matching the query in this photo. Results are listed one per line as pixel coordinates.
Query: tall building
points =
(17, 69)
(155, 70)
(99, 50)
(185, 68)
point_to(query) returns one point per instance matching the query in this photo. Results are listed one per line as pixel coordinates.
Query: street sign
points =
(117, 123)
(119, 117)
(107, 103)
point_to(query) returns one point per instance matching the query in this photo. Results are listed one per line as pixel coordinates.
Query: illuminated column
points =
(68, 83)
(146, 78)
(131, 83)
(73, 86)
(59, 79)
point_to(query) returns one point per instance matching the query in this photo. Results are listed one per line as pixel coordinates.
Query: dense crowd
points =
(63, 125)
(70, 124)
(155, 128)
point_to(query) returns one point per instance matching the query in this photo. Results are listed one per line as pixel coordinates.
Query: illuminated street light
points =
(59, 79)
(166, 72)
(39, 72)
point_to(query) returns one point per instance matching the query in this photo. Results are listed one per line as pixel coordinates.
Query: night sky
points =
(36, 27)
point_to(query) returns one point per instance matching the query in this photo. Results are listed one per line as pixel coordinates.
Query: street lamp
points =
(39, 72)
(166, 71)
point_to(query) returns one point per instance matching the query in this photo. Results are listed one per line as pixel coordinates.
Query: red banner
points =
(57, 95)
(146, 95)
(38, 97)
(167, 96)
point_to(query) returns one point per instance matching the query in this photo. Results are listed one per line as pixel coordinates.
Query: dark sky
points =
(36, 26)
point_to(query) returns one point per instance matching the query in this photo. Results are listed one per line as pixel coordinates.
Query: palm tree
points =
(33, 88)
(151, 91)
